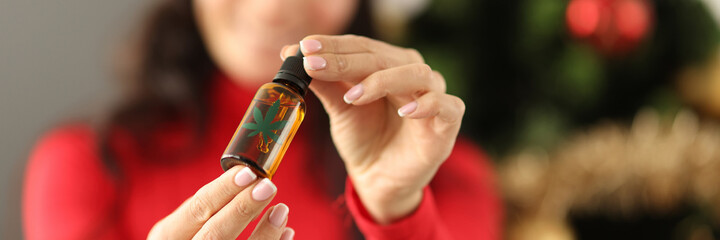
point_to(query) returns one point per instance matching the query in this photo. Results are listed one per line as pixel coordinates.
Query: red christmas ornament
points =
(632, 19)
(583, 17)
(611, 26)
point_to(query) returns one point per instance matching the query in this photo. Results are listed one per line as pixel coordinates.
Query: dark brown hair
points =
(167, 72)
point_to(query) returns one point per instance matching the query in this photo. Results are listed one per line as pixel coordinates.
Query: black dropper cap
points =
(293, 72)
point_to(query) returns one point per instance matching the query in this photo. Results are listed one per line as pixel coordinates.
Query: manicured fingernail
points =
(315, 62)
(310, 46)
(263, 190)
(288, 234)
(279, 214)
(244, 177)
(353, 94)
(282, 52)
(407, 109)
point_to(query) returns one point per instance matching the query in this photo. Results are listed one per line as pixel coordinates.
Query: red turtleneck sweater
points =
(69, 193)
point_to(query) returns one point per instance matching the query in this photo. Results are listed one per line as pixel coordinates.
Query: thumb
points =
(288, 50)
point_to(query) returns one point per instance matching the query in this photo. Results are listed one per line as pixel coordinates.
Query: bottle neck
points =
(292, 85)
(292, 73)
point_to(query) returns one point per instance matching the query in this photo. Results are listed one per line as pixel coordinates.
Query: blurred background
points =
(601, 115)
(55, 65)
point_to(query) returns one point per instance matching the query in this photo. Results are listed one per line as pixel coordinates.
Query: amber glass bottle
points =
(270, 121)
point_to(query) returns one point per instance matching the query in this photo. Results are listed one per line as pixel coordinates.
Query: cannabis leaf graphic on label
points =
(264, 125)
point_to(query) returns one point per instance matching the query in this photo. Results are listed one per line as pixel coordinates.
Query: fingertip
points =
(234, 170)
(282, 52)
(288, 234)
(347, 101)
(309, 46)
(288, 50)
(408, 109)
(244, 177)
(353, 94)
(314, 37)
(314, 63)
(279, 214)
(263, 190)
(282, 206)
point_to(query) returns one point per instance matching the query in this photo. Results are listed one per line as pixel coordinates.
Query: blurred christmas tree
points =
(532, 71)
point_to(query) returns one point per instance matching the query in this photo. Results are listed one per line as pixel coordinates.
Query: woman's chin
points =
(253, 75)
(252, 65)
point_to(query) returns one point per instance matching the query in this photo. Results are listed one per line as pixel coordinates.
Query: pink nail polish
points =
(263, 190)
(353, 94)
(288, 234)
(310, 46)
(282, 51)
(314, 62)
(244, 177)
(279, 214)
(408, 109)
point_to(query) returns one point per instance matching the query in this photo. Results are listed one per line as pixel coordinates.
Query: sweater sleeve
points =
(67, 193)
(461, 202)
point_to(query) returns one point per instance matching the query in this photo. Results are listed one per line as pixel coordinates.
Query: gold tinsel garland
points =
(615, 170)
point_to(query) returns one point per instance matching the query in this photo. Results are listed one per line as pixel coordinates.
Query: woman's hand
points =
(223, 208)
(390, 118)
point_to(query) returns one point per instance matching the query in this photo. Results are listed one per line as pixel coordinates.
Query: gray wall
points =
(55, 61)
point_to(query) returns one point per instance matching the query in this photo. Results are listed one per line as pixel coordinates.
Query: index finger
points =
(334, 44)
(340, 44)
(353, 44)
(348, 44)
(232, 219)
(194, 212)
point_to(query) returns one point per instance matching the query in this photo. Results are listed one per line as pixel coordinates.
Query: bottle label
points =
(264, 126)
